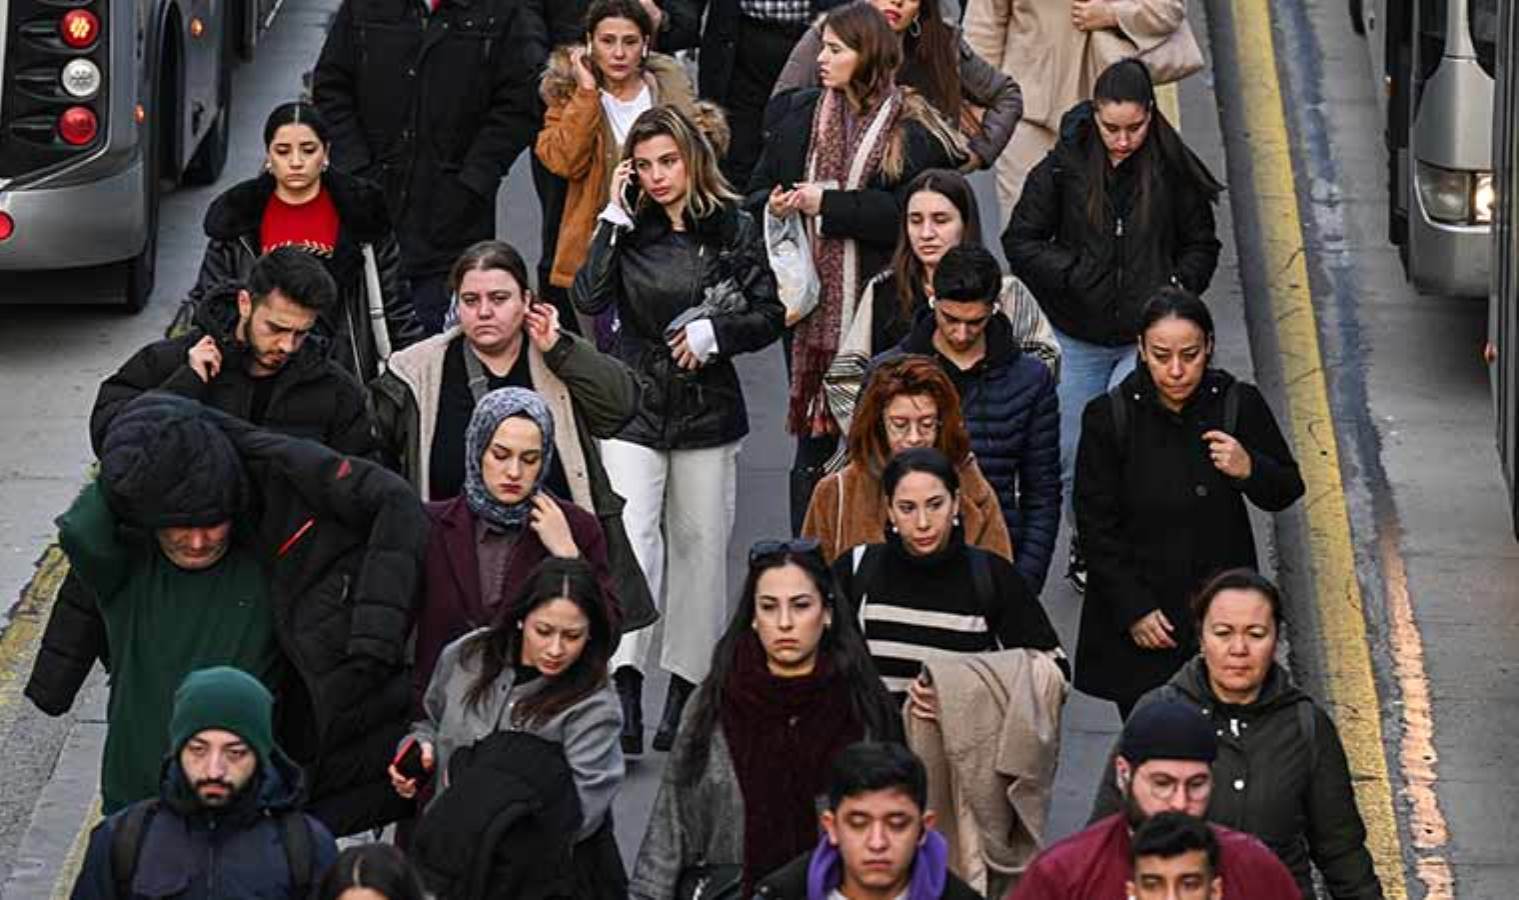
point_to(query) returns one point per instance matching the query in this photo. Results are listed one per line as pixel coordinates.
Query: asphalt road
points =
(1409, 399)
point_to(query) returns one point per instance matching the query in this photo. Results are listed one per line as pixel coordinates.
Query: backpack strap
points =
(1120, 409)
(300, 855)
(126, 843)
(1308, 724)
(1231, 409)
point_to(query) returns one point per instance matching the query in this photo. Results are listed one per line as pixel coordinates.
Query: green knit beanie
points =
(227, 699)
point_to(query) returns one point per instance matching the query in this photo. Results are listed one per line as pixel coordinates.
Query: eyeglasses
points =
(901, 428)
(763, 550)
(1163, 787)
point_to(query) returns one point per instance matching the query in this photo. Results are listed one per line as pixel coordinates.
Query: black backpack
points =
(1121, 414)
(127, 841)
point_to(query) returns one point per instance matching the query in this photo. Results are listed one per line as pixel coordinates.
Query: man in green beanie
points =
(227, 822)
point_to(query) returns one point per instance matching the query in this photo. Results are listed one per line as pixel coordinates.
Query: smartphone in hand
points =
(408, 759)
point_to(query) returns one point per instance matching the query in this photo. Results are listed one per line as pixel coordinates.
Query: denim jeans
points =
(1086, 370)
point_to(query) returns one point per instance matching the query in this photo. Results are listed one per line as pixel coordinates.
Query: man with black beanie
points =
(1164, 760)
(226, 820)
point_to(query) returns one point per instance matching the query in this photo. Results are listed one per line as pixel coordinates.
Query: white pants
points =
(679, 515)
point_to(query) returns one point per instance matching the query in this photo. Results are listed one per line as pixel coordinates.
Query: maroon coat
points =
(452, 606)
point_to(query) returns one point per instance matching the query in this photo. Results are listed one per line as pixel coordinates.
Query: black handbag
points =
(704, 882)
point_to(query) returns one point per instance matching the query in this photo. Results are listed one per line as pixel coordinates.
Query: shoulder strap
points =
(1231, 408)
(1120, 419)
(863, 565)
(295, 834)
(126, 844)
(479, 383)
(1308, 724)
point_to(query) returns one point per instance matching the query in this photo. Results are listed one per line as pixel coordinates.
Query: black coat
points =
(790, 883)
(717, 43)
(1092, 281)
(505, 827)
(651, 274)
(232, 232)
(872, 216)
(434, 109)
(1157, 520)
(1008, 401)
(1281, 775)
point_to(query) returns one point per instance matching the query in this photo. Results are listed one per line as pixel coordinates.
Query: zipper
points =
(211, 857)
(1122, 256)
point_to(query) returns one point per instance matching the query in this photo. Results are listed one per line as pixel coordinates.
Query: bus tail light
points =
(78, 126)
(7, 226)
(79, 28)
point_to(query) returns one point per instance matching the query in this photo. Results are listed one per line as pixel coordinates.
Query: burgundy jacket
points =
(1096, 862)
(452, 605)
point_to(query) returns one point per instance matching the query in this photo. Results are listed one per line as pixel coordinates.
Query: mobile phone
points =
(408, 759)
(631, 191)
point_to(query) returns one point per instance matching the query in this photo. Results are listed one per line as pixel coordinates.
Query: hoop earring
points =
(916, 28)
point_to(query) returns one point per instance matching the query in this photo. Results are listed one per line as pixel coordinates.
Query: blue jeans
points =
(1086, 370)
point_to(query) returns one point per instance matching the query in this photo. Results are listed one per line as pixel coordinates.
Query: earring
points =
(916, 28)
(957, 520)
(267, 167)
(326, 164)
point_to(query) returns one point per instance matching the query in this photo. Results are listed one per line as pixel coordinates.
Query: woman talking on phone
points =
(685, 270)
(592, 94)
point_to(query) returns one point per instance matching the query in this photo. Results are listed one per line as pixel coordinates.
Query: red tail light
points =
(79, 28)
(7, 226)
(78, 126)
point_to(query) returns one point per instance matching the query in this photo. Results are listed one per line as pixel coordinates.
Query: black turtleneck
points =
(916, 607)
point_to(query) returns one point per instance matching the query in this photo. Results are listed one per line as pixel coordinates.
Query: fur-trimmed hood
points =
(664, 74)
(240, 209)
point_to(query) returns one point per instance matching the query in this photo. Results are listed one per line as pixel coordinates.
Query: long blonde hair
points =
(707, 191)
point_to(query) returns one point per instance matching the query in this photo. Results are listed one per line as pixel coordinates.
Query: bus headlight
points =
(1483, 198)
(81, 78)
(1445, 193)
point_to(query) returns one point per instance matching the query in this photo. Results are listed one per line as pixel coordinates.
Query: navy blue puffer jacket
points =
(1008, 400)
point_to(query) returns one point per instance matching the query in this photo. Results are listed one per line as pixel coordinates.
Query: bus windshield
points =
(1482, 15)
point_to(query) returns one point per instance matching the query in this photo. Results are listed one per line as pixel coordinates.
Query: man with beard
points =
(226, 822)
(1163, 764)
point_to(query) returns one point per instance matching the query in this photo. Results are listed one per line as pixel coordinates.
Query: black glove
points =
(459, 215)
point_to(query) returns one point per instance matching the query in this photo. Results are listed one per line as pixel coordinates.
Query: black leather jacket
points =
(652, 273)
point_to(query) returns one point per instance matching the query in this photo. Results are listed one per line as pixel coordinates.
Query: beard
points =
(228, 795)
(1132, 814)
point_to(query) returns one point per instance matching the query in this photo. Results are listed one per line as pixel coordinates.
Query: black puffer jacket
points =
(1157, 520)
(1008, 400)
(313, 397)
(651, 274)
(1092, 281)
(1281, 775)
(434, 108)
(232, 229)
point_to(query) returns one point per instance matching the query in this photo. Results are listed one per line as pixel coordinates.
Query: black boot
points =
(629, 683)
(675, 704)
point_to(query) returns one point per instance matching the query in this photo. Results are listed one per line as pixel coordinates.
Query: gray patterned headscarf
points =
(493, 409)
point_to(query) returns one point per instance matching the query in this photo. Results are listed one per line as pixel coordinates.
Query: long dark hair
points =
(1162, 157)
(296, 112)
(842, 643)
(1172, 302)
(500, 646)
(864, 29)
(935, 53)
(906, 268)
(378, 867)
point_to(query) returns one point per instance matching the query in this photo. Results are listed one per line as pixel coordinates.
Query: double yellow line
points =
(1350, 684)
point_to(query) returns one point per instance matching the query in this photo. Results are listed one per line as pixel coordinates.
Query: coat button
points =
(1201, 490)
(1239, 784)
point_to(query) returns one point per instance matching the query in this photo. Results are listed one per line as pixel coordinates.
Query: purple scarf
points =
(930, 870)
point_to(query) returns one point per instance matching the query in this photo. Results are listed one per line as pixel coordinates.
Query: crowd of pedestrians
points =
(380, 532)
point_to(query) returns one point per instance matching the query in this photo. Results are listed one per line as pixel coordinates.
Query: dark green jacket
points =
(162, 623)
(1281, 775)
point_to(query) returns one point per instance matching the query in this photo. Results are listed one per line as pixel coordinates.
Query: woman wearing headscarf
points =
(485, 542)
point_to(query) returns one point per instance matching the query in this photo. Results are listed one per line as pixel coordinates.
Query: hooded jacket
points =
(1157, 519)
(651, 274)
(232, 230)
(1008, 400)
(1281, 775)
(311, 397)
(815, 875)
(191, 852)
(576, 143)
(1092, 281)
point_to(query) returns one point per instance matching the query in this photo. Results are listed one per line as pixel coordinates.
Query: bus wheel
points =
(1357, 20)
(207, 164)
(142, 268)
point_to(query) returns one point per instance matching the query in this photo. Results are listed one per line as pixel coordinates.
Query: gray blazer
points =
(690, 824)
(589, 731)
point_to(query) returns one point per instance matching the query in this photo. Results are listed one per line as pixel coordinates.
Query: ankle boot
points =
(629, 683)
(675, 704)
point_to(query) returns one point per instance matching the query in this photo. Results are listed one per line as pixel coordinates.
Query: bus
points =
(104, 104)
(1434, 63)
(1503, 301)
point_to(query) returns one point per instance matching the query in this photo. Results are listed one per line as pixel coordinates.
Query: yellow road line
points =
(1351, 688)
(18, 645)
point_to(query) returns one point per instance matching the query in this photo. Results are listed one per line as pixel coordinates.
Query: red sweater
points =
(1094, 864)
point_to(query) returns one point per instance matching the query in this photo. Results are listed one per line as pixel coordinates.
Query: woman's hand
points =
(922, 700)
(1153, 632)
(780, 202)
(407, 787)
(1229, 456)
(807, 199)
(681, 352)
(542, 323)
(1093, 15)
(553, 530)
(580, 63)
(620, 178)
(656, 15)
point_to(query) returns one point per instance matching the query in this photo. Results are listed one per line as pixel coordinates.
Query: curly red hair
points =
(912, 375)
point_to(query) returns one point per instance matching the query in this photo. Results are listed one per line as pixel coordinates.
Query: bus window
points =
(1482, 15)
